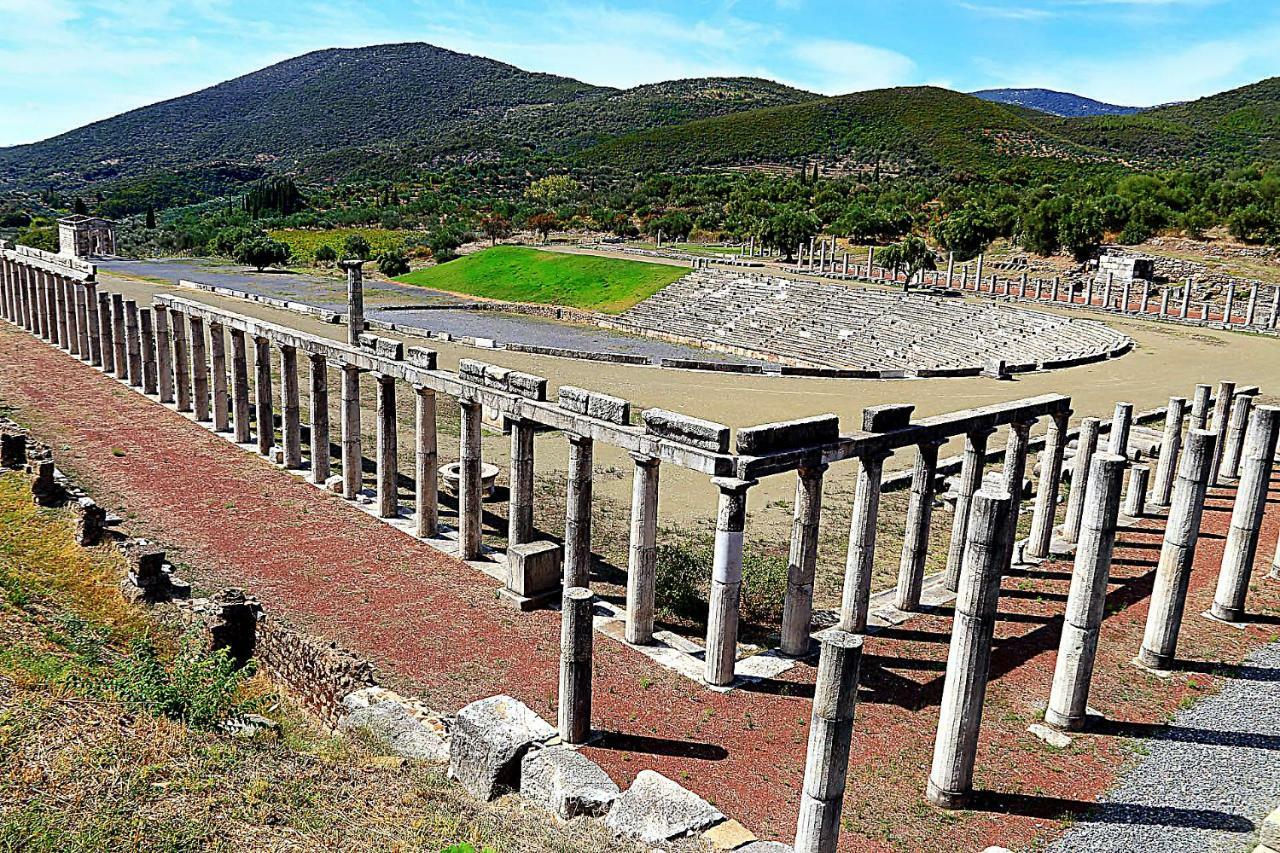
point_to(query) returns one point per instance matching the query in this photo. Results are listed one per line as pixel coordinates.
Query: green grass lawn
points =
(518, 274)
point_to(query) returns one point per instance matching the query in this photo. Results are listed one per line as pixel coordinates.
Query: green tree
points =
(356, 246)
(912, 255)
(444, 242)
(553, 190)
(150, 221)
(543, 224)
(675, 226)
(80, 207)
(966, 233)
(1080, 230)
(392, 263)
(261, 252)
(326, 255)
(276, 194)
(496, 227)
(788, 228)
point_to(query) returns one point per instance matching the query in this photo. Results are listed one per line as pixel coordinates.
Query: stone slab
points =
(655, 809)
(696, 432)
(566, 782)
(489, 740)
(788, 435)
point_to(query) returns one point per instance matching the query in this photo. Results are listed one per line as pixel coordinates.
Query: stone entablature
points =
(81, 236)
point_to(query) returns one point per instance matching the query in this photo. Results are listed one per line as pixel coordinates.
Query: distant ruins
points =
(81, 236)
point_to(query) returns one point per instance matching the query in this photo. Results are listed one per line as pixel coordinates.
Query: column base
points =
(1060, 548)
(1157, 665)
(1063, 722)
(1233, 616)
(950, 800)
(527, 603)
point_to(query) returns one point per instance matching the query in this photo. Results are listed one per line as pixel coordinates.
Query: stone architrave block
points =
(887, 418)
(695, 432)
(490, 738)
(421, 357)
(389, 348)
(655, 809)
(573, 399)
(471, 370)
(567, 783)
(368, 341)
(380, 714)
(527, 385)
(533, 568)
(612, 409)
(496, 377)
(788, 435)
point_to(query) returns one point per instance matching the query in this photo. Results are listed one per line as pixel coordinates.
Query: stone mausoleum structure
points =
(1126, 268)
(81, 236)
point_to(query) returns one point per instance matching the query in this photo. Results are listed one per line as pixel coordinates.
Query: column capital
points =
(980, 431)
(644, 460)
(733, 484)
(424, 390)
(812, 471)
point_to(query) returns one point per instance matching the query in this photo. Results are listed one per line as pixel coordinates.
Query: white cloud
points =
(837, 67)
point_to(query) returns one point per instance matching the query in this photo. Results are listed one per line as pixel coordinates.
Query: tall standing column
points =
(1231, 303)
(42, 307)
(470, 494)
(642, 562)
(266, 416)
(859, 561)
(1164, 301)
(797, 607)
(133, 335)
(425, 462)
(1014, 475)
(147, 325)
(1107, 290)
(388, 471)
(106, 330)
(520, 505)
(1251, 311)
(181, 361)
(577, 525)
(1086, 446)
(576, 638)
(318, 417)
(826, 766)
(218, 369)
(239, 387)
(1200, 403)
(1170, 447)
(1246, 516)
(164, 352)
(1078, 647)
(65, 321)
(1185, 309)
(975, 458)
(91, 318)
(1221, 413)
(82, 322)
(1274, 316)
(290, 408)
(355, 299)
(1182, 532)
(199, 370)
(1042, 519)
(915, 543)
(969, 660)
(352, 456)
(726, 581)
(1125, 287)
(1234, 446)
(1121, 426)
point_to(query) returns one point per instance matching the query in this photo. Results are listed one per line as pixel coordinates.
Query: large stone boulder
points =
(489, 739)
(386, 717)
(566, 782)
(655, 809)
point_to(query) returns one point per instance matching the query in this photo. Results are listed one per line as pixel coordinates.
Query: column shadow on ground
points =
(1184, 734)
(1056, 808)
(620, 742)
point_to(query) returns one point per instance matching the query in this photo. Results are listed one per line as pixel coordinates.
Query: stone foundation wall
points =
(318, 673)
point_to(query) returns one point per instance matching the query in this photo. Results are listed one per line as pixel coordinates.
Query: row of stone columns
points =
(62, 310)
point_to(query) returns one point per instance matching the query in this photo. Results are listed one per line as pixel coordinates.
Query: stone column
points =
(106, 331)
(426, 460)
(1230, 467)
(65, 321)
(1164, 301)
(239, 386)
(218, 368)
(290, 408)
(951, 269)
(1015, 474)
(1275, 308)
(1182, 532)
(1231, 303)
(726, 581)
(978, 275)
(915, 543)
(82, 324)
(1087, 599)
(975, 454)
(576, 637)
(1107, 290)
(352, 457)
(1200, 407)
(262, 395)
(1221, 413)
(318, 417)
(1146, 296)
(42, 307)
(1126, 285)
(520, 504)
(91, 318)
(199, 370)
(1053, 291)
(577, 523)
(1086, 446)
(802, 562)
(826, 766)
(1121, 424)
(133, 334)
(164, 351)
(643, 556)
(856, 599)
(1246, 516)
(181, 360)
(388, 472)
(1088, 292)
(1135, 500)
(1041, 535)
(470, 495)
(148, 328)
(969, 661)
(355, 299)
(1170, 446)
(1252, 309)
(1185, 309)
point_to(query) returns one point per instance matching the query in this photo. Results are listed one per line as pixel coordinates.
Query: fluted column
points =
(148, 329)
(181, 360)
(263, 401)
(860, 558)
(470, 486)
(218, 369)
(1247, 514)
(425, 462)
(199, 370)
(1221, 413)
(1042, 519)
(520, 504)
(319, 419)
(239, 387)
(352, 455)
(1231, 453)
(164, 352)
(91, 322)
(915, 542)
(577, 530)
(290, 408)
(388, 472)
(133, 336)
(1170, 447)
(975, 453)
(576, 640)
(642, 560)
(797, 607)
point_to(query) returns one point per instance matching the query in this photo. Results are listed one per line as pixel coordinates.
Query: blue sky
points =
(68, 62)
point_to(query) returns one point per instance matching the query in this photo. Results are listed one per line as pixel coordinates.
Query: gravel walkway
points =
(1208, 780)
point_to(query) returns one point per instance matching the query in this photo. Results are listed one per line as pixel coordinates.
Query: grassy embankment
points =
(519, 274)
(109, 738)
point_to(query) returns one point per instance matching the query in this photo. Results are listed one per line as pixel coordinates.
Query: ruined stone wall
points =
(316, 672)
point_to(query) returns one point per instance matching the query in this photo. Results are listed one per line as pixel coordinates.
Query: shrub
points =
(764, 587)
(392, 263)
(680, 582)
(356, 246)
(326, 255)
(261, 252)
(197, 687)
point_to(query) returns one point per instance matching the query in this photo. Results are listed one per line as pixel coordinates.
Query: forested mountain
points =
(1062, 104)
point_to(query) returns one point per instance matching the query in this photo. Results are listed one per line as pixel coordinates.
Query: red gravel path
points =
(435, 629)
